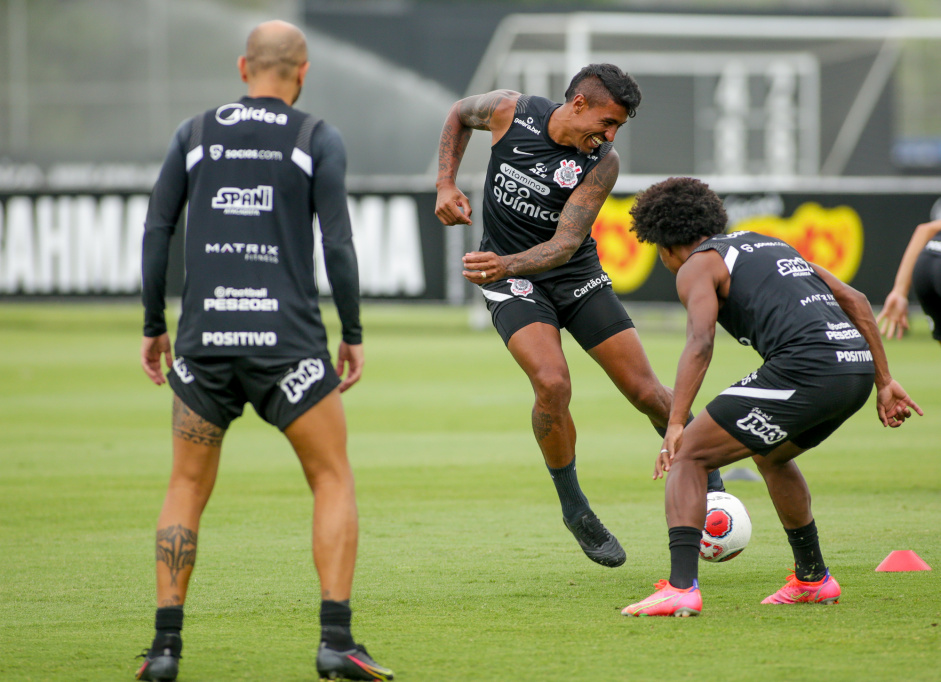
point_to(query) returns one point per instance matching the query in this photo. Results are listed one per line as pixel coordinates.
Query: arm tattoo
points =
(477, 112)
(190, 426)
(542, 425)
(575, 223)
(176, 547)
(473, 113)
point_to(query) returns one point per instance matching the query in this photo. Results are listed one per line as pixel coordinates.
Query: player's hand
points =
(152, 349)
(350, 359)
(481, 267)
(452, 206)
(671, 443)
(894, 405)
(893, 319)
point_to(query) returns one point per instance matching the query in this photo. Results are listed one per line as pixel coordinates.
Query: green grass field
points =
(465, 571)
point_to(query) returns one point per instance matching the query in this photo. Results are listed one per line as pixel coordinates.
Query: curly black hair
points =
(597, 82)
(677, 211)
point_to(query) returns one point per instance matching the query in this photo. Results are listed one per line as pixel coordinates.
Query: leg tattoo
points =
(176, 547)
(190, 426)
(542, 425)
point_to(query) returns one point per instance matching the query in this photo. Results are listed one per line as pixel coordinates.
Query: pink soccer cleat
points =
(823, 591)
(668, 601)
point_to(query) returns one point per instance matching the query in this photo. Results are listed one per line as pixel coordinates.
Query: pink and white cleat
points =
(823, 591)
(668, 601)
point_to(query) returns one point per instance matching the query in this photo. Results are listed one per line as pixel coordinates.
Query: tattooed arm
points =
(575, 223)
(491, 111)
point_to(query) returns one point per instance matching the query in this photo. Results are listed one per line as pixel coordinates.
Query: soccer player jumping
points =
(551, 168)
(821, 350)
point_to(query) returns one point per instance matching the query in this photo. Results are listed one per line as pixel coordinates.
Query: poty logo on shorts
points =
(240, 339)
(567, 175)
(520, 287)
(230, 114)
(795, 267)
(182, 371)
(757, 422)
(296, 382)
(248, 202)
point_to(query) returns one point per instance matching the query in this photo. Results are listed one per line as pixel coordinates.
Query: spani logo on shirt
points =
(249, 202)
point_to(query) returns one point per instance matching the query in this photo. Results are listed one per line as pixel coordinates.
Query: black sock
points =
(684, 556)
(714, 483)
(169, 620)
(808, 559)
(335, 620)
(571, 496)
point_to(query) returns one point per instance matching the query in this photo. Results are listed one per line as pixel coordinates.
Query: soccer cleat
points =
(596, 541)
(668, 601)
(162, 660)
(823, 591)
(352, 664)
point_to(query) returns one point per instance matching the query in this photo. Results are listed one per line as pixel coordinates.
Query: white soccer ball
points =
(727, 529)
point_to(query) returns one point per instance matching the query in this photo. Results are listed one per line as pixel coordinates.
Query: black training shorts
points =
(926, 281)
(280, 390)
(769, 407)
(585, 304)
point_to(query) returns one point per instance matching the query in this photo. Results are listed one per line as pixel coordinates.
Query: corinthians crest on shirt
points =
(520, 287)
(567, 175)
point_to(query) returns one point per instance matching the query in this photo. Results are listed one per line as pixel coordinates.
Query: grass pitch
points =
(465, 571)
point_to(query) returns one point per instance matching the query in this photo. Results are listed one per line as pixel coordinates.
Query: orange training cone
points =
(903, 560)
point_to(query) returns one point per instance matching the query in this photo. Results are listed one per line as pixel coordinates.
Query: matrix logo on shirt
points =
(248, 202)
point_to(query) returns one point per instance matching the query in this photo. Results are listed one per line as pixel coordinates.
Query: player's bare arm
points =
(892, 402)
(697, 285)
(575, 224)
(893, 319)
(491, 111)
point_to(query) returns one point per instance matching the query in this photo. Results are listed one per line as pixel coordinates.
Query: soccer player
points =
(254, 172)
(551, 168)
(821, 351)
(921, 266)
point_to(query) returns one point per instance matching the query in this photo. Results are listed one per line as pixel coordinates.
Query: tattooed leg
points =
(196, 449)
(538, 350)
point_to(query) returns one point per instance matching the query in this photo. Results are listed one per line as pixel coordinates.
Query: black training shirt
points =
(529, 179)
(254, 173)
(780, 306)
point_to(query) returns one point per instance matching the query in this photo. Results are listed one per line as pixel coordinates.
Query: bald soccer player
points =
(253, 174)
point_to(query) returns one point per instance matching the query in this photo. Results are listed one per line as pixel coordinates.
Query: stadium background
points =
(817, 122)
(465, 571)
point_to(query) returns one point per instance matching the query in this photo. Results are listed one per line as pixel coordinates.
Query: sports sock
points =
(808, 559)
(570, 493)
(715, 484)
(684, 556)
(335, 620)
(169, 620)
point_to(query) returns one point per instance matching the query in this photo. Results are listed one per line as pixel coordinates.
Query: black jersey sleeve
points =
(163, 212)
(329, 197)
